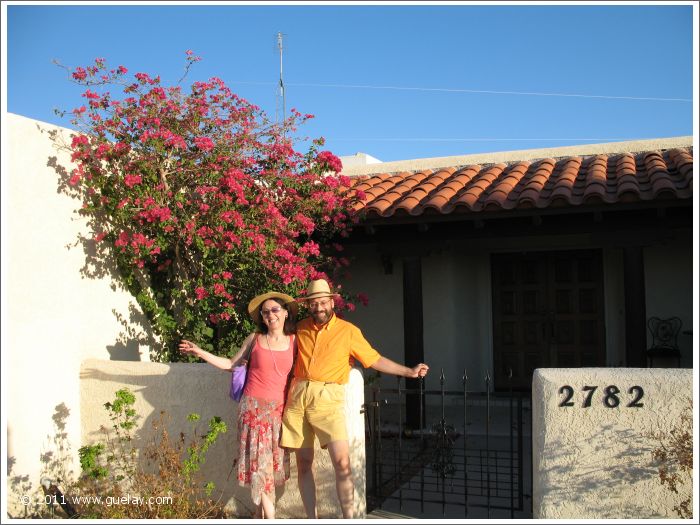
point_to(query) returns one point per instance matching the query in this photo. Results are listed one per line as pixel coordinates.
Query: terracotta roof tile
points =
(545, 183)
(563, 187)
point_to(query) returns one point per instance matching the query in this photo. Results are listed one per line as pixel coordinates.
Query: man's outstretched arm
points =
(387, 366)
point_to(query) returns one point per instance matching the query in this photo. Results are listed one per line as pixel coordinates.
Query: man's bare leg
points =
(340, 456)
(268, 506)
(305, 477)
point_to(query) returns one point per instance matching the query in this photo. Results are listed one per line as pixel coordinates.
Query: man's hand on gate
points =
(420, 370)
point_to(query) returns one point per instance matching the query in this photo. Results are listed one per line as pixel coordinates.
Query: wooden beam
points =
(413, 331)
(635, 307)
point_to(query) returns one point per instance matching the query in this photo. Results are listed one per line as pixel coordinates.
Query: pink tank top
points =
(268, 371)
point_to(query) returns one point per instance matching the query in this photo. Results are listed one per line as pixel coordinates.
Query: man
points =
(316, 400)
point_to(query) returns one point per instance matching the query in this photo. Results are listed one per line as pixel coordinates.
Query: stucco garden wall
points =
(183, 388)
(595, 462)
(56, 311)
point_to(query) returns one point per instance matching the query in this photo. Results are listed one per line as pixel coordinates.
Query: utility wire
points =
(535, 139)
(474, 91)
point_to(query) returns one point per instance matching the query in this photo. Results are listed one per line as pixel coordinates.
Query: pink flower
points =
(142, 77)
(306, 223)
(91, 95)
(79, 74)
(102, 150)
(204, 143)
(200, 292)
(310, 248)
(79, 140)
(328, 161)
(362, 297)
(132, 180)
(122, 241)
(121, 148)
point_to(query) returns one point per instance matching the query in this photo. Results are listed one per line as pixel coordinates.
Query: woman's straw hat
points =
(256, 302)
(317, 289)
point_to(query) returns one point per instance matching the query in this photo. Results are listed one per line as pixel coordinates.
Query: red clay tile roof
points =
(545, 183)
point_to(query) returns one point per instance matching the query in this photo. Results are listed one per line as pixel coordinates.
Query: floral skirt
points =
(262, 463)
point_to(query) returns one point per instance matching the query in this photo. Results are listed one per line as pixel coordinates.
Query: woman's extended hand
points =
(189, 348)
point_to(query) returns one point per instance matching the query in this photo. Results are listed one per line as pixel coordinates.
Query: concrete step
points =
(379, 514)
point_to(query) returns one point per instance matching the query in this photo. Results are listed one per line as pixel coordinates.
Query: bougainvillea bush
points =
(202, 201)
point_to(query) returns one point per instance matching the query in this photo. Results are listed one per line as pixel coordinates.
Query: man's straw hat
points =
(317, 289)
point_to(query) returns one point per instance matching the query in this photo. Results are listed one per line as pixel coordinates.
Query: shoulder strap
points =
(251, 345)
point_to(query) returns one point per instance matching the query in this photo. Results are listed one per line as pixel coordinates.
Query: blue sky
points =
(433, 69)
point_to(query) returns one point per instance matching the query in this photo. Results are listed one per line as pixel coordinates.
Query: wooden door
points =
(547, 312)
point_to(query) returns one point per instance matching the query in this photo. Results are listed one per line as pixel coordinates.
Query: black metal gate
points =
(457, 454)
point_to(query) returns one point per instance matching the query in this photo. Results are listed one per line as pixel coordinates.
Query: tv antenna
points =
(281, 104)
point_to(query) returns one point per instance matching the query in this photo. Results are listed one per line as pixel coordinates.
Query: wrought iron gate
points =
(467, 455)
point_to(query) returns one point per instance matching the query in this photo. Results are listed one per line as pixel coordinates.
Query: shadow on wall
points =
(602, 480)
(136, 334)
(180, 390)
(24, 496)
(177, 389)
(99, 264)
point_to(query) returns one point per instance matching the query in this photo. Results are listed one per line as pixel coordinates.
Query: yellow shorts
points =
(313, 408)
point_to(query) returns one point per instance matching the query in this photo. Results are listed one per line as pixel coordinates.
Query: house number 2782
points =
(611, 396)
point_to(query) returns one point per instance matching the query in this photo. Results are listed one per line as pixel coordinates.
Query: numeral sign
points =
(610, 396)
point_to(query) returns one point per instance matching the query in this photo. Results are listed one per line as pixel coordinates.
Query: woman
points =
(262, 463)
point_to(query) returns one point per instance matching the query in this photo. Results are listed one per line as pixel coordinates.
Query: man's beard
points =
(321, 317)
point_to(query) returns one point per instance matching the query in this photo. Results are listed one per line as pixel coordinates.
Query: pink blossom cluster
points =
(329, 161)
(215, 199)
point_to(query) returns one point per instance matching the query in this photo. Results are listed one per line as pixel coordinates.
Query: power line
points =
(481, 139)
(474, 91)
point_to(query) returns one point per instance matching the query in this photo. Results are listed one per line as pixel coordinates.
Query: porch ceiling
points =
(549, 185)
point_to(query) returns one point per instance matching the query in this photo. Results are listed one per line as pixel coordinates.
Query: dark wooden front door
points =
(547, 312)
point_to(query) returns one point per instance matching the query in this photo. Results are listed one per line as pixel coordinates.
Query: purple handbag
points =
(239, 375)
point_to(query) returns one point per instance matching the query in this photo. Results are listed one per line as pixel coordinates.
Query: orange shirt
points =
(325, 351)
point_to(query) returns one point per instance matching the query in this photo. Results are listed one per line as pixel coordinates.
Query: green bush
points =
(160, 481)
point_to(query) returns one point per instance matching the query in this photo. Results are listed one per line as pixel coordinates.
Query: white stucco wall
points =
(184, 388)
(381, 321)
(456, 312)
(53, 316)
(614, 294)
(457, 318)
(596, 462)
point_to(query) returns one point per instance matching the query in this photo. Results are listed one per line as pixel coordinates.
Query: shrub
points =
(674, 454)
(162, 482)
(202, 202)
